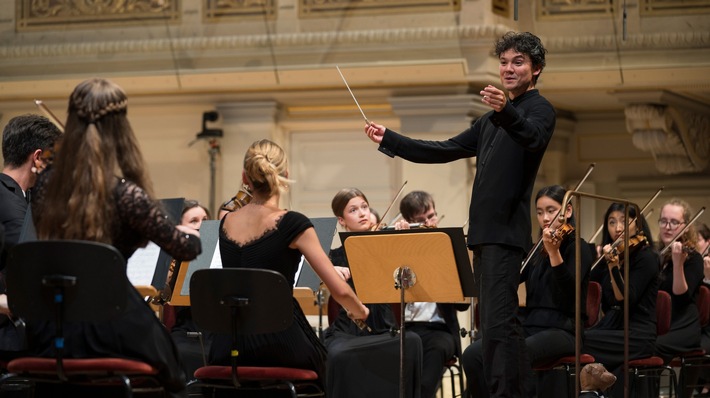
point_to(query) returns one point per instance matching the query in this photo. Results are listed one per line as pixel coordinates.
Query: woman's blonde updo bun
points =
(266, 167)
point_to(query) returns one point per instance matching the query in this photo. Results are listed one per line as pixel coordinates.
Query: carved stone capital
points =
(675, 130)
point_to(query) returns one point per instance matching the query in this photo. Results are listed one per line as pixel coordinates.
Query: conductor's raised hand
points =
(494, 97)
(375, 132)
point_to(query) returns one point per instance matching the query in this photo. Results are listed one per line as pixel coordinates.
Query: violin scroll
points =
(241, 199)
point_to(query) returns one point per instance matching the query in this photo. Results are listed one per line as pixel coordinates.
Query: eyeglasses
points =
(663, 223)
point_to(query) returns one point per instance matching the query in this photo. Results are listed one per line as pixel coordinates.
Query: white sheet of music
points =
(141, 265)
(216, 259)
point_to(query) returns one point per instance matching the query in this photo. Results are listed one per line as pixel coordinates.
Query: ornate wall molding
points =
(567, 9)
(325, 8)
(676, 135)
(58, 14)
(673, 7)
(217, 10)
(652, 41)
(659, 41)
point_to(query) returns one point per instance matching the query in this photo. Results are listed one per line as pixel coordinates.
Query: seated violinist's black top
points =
(298, 346)
(380, 320)
(137, 333)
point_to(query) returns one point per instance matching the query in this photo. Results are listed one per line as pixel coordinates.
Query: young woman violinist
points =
(548, 318)
(262, 235)
(681, 276)
(605, 341)
(365, 363)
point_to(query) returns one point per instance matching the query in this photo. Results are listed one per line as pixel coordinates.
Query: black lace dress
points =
(137, 334)
(298, 346)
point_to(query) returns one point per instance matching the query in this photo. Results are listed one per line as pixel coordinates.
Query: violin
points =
(414, 225)
(635, 242)
(241, 199)
(561, 232)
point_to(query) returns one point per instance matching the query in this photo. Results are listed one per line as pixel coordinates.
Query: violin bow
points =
(559, 212)
(682, 231)
(42, 107)
(377, 226)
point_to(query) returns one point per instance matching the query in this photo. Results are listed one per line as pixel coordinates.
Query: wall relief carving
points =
(322, 8)
(53, 14)
(678, 138)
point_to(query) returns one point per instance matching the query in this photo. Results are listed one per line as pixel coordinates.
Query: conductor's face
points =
(516, 72)
(356, 215)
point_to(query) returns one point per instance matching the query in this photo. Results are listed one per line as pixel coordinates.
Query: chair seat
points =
(568, 360)
(451, 362)
(87, 366)
(646, 362)
(686, 356)
(255, 373)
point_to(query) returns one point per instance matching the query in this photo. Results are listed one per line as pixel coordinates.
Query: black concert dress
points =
(364, 364)
(605, 341)
(684, 334)
(138, 333)
(298, 346)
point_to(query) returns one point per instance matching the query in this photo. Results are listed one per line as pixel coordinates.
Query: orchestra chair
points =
(247, 301)
(60, 281)
(653, 366)
(567, 363)
(453, 369)
(689, 363)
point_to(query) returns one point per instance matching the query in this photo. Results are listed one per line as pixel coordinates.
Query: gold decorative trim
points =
(501, 7)
(218, 10)
(653, 8)
(659, 41)
(33, 15)
(328, 8)
(574, 9)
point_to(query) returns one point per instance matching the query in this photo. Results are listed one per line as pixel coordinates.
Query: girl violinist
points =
(364, 363)
(548, 318)
(681, 276)
(605, 341)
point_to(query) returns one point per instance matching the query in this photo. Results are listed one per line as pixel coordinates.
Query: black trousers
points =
(507, 367)
(542, 345)
(438, 347)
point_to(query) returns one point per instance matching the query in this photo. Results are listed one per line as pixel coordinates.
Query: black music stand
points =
(426, 265)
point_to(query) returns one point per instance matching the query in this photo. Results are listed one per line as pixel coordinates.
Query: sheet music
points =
(298, 271)
(141, 265)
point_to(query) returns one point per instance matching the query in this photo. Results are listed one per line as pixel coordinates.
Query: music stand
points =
(425, 265)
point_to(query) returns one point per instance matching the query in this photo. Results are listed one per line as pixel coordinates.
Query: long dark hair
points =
(641, 224)
(98, 144)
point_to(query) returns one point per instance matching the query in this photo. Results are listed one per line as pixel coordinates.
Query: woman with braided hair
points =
(97, 189)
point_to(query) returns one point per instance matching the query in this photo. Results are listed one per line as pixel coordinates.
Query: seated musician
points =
(262, 235)
(605, 341)
(365, 363)
(110, 201)
(681, 276)
(192, 347)
(549, 315)
(436, 323)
